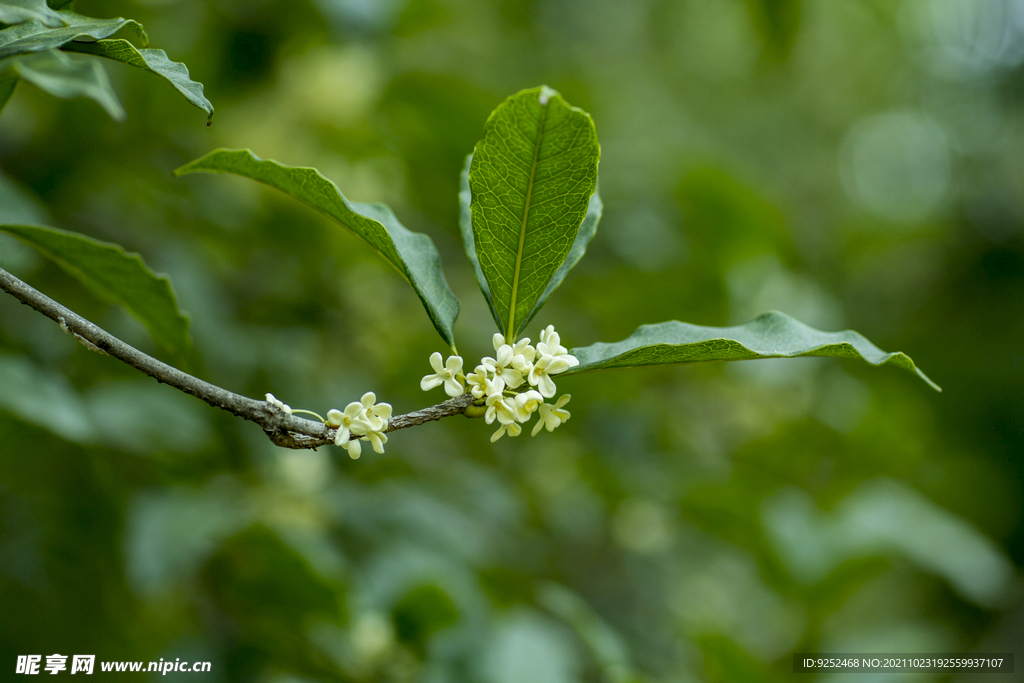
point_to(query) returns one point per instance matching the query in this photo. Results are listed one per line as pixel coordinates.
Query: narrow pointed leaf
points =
(531, 177)
(468, 242)
(155, 61)
(18, 11)
(61, 76)
(579, 247)
(115, 276)
(412, 254)
(33, 36)
(770, 335)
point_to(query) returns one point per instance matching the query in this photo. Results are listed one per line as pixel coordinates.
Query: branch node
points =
(79, 338)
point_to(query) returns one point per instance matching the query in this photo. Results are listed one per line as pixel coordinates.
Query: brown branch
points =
(287, 431)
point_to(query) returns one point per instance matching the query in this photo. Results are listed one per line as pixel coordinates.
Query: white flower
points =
(482, 385)
(352, 421)
(354, 449)
(500, 408)
(376, 415)
(444, 374)
(523, 348)
(506, 365)
(283, 407)
(551, 345)
(551, 416)
(377, 440)
(527, 404)
(539, 373)
(511, 429)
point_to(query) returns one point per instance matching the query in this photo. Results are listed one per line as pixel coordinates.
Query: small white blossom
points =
(550, 416)
(527, 404)
(500, 408)
(365, 419)
(506, 365)
(540, 373)
(551, 345)
(351, 421)
(377, 440)
(482, 385)
(283, 407)
(523, 348)
(444, 374)
(512, 429)
(376, 414)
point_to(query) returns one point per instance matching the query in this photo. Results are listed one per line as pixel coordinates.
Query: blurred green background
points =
(854, 163)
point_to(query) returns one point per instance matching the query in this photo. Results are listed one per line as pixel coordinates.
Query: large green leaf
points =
(18, 11)
(468, 242)
(412, 254)
(63, 76)
(33, 36)
(115, 276)
(579, 246)
(155, 61)
(532, 177)
(770, 335)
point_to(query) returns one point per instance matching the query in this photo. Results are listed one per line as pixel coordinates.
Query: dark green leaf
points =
(770, 335)
(62, 76)
(115, 276)
(59, 4)
(412, 254)
(155, 61)
(33, 36)
(532, 177)
(466, 225)
(579, 246)
(18, 11)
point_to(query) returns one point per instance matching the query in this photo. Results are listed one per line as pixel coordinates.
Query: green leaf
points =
(579, 246)
(33, 36)
(412, 254)
(531, 177)
(770, 335)
(155, 61)
(468, 242)
(62, 76)
(18, 11)
(115, 276)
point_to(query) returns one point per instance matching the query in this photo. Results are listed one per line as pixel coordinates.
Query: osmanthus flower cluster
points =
(365, 419)
(520, 255)
(512, 385)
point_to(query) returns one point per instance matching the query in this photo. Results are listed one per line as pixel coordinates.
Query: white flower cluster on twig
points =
(365, 419)
(513, 385)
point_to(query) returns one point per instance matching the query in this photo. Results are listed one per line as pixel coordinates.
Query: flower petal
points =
(435, 362)
(453, 388)
(430, 381)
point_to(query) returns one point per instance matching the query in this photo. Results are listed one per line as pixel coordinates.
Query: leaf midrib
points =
(522, 227)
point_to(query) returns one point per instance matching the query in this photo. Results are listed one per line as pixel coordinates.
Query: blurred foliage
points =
(852, 163)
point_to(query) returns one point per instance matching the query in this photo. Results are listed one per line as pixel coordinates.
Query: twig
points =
(287, 431)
